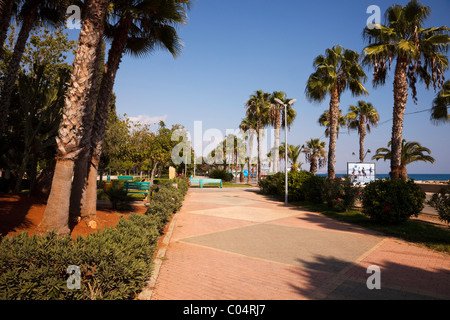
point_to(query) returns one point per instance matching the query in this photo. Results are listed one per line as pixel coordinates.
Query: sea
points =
(413, 176)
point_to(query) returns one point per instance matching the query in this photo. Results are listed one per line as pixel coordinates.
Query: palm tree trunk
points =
(334, 115)
(259, 136)
(78, 197)
(250, 152)
(103, 106)
(362, 135)
(14, 65)
(313, 167)
(400, 98)
(71, 130)
(276, 156)
(5, 18)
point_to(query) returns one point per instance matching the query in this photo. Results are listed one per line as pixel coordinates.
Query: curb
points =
(147, 291)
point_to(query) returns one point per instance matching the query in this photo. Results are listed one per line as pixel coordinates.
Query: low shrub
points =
(221, 174)
(312, 189)
(302, 185)
(441, 202)
(296, 180)
(392, 201)
(119, 198)
(273, 184)
(114, 263)
(340, 194)
(167, 199)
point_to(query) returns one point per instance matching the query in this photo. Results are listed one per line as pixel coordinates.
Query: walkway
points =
(234, 244)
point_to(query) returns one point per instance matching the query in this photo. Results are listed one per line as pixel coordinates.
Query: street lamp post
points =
(285, 146)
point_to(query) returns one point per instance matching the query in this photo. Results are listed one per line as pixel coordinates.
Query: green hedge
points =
(302, 186)
(392, 201)
(114, 263)
(441, 202)
(221, 174)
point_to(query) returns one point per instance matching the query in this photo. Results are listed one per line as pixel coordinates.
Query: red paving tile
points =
(196, 272)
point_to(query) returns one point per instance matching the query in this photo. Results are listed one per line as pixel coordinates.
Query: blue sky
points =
(233, 48)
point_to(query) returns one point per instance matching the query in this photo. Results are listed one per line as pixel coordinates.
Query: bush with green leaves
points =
(114, 263)
(312, 189)
(272, 184)
(165, 200)
(119, 198)
(302, 185)
(441, 202)
(296, 180)
(340, 194)
(221, 174)
(392, 201)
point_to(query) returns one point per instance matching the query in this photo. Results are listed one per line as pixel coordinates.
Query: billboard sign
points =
(362, 173)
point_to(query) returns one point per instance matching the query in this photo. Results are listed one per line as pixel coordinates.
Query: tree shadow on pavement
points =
(397, 281)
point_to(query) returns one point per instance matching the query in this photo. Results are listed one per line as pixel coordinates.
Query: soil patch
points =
(20, 213)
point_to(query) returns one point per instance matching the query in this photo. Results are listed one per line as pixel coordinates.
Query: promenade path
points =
(234, 244)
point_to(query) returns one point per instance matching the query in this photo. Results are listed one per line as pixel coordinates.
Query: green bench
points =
(195, 182)
(126, 178)
(137, 187)
(211, 182)
(203, 182)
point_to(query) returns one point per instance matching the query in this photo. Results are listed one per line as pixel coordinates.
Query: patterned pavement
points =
(234, 244)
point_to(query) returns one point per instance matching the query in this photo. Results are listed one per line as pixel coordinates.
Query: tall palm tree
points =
(439, 112)
(315, 154)
(248, 127)
(142, 27)
(294, 153)
(411, 152)
(324, 121)
(361, 118)
(276, 119)
(71, 130)
(30, 14)
(418, 52)
(257, 108)
(336, 71)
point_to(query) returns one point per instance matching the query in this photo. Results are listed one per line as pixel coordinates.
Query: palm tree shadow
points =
(329, 278)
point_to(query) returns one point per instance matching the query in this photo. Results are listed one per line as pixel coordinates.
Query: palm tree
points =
(30, 14)
(324, 121)
(276, 118)
(439, 112)
(294, 153)
(248, 127)
(335, 72)
(257, 108)
(71, 130)
(141, 28)
(418, 52)
(411, 152)
(361, 118)
(315, 154)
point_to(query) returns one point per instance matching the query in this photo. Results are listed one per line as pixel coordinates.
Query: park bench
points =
(217, 182)
(202, 182)
(137, 187)
(125, 178)
(195, 182)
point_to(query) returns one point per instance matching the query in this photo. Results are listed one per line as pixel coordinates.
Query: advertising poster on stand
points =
(362, 173)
